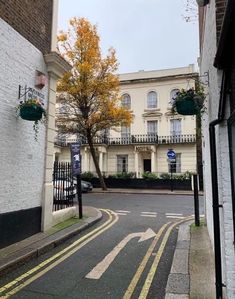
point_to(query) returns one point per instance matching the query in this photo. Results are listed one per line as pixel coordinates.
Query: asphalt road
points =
(108, 261)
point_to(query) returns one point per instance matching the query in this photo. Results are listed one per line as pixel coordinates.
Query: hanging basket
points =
(32, 113)
(187, 106)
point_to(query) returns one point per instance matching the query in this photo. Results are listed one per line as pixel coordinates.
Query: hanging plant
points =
(189, 102)
(32, 110)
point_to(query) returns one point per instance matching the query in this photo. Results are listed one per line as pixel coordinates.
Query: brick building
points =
(217, 58)
(27, 58)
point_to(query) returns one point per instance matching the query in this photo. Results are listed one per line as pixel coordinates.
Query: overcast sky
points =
(146, 34)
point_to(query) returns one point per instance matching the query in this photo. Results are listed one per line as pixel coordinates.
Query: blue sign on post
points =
(171, 154)
(75, 158)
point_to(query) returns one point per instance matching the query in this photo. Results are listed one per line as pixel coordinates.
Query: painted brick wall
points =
(207, 59)
(21, 157)
(32, 19)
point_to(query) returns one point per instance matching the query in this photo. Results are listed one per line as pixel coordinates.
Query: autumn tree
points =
(90, 91)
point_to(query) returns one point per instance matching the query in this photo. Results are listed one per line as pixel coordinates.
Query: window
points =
(126, 101)
(173, 95)
(175, 129)
(152, 99)
(125, 132)
(176, 166)
(152, 127)
(122, 163)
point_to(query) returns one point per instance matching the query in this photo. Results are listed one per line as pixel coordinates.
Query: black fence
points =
(144, 184)
(64, 190)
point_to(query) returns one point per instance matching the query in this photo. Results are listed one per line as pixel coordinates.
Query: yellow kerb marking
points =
(94, 234)
(154, 266)
(143, 264)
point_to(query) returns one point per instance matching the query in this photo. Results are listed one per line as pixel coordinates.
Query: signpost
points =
(172, 159)
(76, 171)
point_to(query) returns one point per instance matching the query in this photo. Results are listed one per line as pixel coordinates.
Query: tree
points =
(91, 89)
(191, 11)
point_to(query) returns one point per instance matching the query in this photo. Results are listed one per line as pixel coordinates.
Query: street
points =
(126, 255)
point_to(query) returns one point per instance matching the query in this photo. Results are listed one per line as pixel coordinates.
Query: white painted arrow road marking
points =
(100, 268)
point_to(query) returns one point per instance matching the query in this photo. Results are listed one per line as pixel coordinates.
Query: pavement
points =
(192, 272)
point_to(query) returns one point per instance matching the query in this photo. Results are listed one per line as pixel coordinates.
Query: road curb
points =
(35, 250)
(142, 192)
(178, 283)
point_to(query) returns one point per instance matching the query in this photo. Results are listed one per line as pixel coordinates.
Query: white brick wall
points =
(207, 59)
(21, 157)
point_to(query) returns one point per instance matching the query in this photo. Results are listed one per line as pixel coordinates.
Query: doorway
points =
(147, 165)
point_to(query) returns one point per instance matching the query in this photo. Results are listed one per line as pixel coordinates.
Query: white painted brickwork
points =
(21, 157)
(228, 256)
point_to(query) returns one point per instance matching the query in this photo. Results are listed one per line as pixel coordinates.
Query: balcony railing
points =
(132, 140)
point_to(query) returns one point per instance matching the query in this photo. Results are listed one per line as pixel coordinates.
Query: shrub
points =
(88, 175)
(149, 176)
(165, 176)
(123, 175)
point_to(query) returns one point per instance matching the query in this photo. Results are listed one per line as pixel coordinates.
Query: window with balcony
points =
(126, 101)
(152, 100)
(176, 166)
(122, 163)
(125, 134)
(175, 127)
(152, 127)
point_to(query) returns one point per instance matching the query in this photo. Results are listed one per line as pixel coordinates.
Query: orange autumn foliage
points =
(92, 85)
(90, 91)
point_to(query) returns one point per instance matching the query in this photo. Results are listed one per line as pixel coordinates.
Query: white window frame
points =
(125, 132)
(176, 167)
(175, 127)
(122, 163)
(152, 127)
(152, 100)
(126, 101)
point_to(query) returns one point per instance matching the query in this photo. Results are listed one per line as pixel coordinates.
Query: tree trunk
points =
(97, 167)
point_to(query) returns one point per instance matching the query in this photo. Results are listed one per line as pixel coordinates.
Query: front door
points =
(147, 165)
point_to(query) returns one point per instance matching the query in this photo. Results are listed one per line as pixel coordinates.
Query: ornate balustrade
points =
(131, 140)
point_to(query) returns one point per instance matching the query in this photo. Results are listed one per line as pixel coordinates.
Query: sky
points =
(146, 34)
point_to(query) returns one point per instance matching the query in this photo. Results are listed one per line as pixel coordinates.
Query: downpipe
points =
(215, 193)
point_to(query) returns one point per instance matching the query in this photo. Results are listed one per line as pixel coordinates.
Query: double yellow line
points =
(25, 279)
(149, 279)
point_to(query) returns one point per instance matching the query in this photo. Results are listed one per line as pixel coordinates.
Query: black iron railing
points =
(132, 139)
(64, 190)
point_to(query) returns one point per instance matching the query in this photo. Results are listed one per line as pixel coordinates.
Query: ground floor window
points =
(176, 166)
(122, 163)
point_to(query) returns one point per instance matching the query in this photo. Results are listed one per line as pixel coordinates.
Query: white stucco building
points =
(155, 129)
(27, 58)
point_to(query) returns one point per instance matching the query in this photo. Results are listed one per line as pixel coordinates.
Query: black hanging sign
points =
(75, 158)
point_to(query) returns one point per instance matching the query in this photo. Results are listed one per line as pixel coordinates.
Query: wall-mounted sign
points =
(143, 148)
(28, 93)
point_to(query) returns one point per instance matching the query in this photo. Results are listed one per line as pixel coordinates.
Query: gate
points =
(64, 189)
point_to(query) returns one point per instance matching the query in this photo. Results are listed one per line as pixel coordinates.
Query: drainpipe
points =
(215, 194)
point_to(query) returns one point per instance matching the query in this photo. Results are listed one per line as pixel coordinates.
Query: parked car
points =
(86, 186)
(64, 189)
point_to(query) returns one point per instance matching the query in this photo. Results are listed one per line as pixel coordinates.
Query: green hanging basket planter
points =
(187, 106)
(189, 102)
(31, 113)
